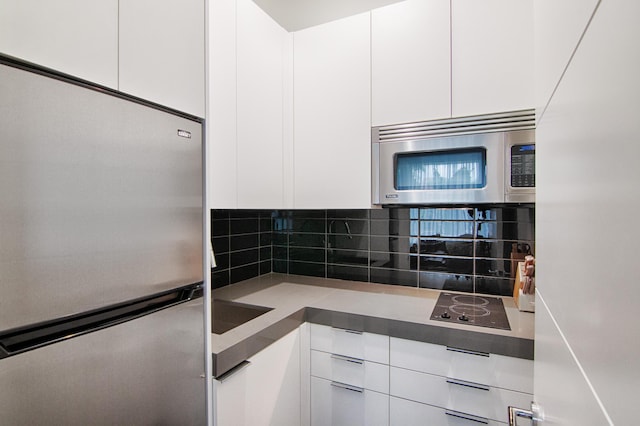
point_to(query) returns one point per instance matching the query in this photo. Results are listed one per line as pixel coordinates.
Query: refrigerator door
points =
(101, 199)
(144, 372)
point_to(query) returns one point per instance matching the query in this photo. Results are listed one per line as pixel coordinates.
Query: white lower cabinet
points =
(319, 375)
(339, 404)
(356, 344)
(349, 377)
(409, 413)
(452, 386)
(476, 399)
(353, 371)
(489, 369)
(266, 391)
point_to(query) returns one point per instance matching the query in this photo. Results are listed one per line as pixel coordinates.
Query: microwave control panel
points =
(523, 166)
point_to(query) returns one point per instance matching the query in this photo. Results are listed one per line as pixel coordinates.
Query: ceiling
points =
(294, 15)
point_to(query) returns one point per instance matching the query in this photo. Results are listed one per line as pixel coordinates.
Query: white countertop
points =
(288, 294)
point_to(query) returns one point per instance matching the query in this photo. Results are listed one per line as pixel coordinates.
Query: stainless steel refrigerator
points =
(101, 256)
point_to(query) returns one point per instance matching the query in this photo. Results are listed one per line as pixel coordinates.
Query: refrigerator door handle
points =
(22, 339)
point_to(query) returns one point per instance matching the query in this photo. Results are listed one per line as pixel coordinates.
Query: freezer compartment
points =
(147, 371)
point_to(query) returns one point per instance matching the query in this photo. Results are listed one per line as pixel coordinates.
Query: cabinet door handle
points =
(233, 371)
(347, 387)
(347, 330)
(347, 359)
(466, 416)
(468, 352)
(468, 384)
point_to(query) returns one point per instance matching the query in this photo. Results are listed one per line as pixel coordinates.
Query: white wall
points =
(588, 193)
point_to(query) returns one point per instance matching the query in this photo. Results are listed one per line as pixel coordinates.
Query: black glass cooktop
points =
(471, 309)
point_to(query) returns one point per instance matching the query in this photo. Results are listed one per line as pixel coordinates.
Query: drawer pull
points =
(466, 416)
(347, 359)
(347, 330)
(347, 387)
(468, 384)
(466, 351)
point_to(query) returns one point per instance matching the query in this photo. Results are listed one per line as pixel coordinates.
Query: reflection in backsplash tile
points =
(460, 249)
(393, 276)
(446, 247)
(454, 265)
(446, 229)
(393, 244)
(451, 282)
(506, 230)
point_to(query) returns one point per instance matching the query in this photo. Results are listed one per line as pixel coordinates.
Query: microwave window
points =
(453, 169)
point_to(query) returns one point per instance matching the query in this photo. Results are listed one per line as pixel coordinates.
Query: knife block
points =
(524, 302)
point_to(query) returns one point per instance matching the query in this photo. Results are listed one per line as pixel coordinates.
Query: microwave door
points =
(446, 170)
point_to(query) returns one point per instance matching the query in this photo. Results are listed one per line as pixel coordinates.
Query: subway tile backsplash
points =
(462, 249)
(242, 242)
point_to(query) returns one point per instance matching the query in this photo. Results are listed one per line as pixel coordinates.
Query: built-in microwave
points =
(467, 160)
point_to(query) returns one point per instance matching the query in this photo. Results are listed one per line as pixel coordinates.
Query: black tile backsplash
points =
(243, 244)
(463, 249)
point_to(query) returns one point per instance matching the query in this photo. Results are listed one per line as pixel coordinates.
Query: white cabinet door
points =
(162, 52)
(337, 404)
(332, 103)
(250, 113)
(409, 413)
(490, 369)
(76, 37)
(491, 56)
(558, 28)
(221, 98)
(587, 362)
(459, 395)
(410, 62)
(261, 45)
(353, 371)
(355, 344)
(267, 391)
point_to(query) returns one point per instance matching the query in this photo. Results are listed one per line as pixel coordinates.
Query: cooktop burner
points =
(472, 309)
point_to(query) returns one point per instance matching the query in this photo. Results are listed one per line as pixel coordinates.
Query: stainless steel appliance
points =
(479, 159)
(101, 256)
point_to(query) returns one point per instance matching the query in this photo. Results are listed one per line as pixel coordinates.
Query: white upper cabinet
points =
(162, 52)
(332, 104)
(559, 26)
(410, 62)
(221, 97)
(76, 37)
(492, 56)
(250, 108)
(262, 45)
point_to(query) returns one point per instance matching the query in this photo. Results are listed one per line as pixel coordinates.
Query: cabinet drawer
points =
(467, 397)
(333, 404)
(410, 413)
(355, 344)
(489, 369)
(351, 371)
